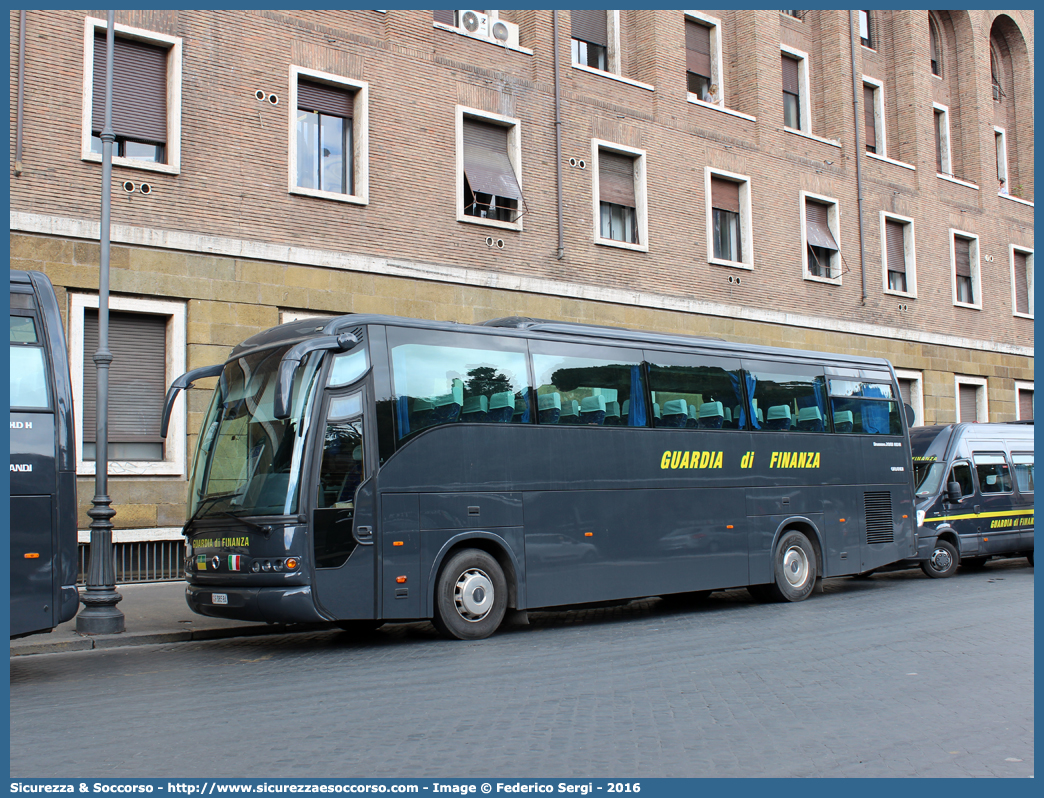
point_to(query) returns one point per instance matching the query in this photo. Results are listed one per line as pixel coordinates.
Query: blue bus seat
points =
(570, 412)
(693, 420)
(549, 408)
(778, 417)
(675, 414)
(592, 410)
(810, 419)
(423, 414)
(476, 408)
(712, 415)
(843, 421)
(612, 414)
(501, 407)
(447, 408)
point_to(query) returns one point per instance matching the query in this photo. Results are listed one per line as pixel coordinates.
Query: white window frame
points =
(1012, 249)
(976, 273)
(360, 136)
(916, 393)
(834, 224)
(1021, 386)
(982, 401)
(717, 73)
(640, 194)
(944, 140)
(514, 153)
(173, 462)
(879, 115)
(173, 45)
(746, 228)
(909, 249)
(803, 93)
(1002, 157)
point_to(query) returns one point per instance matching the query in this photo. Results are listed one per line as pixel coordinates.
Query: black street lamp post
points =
(100, 614)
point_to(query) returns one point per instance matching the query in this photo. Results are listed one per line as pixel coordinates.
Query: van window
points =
(864, 408)
(442, 378)
(786, 397)
(1023, 471)
(992, 469)
(588, 385)
(962, 475)
(695, 392)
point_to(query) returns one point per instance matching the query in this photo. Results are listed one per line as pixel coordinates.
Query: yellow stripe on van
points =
(979, 515)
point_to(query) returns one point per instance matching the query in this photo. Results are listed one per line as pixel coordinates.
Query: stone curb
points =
(152, 638)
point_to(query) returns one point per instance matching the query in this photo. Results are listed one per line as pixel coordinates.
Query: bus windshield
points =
(248, 462)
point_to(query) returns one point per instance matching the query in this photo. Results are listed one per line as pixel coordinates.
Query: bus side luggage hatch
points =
(183, 383)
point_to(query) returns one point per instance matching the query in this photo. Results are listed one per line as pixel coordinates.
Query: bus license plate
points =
(219, 598)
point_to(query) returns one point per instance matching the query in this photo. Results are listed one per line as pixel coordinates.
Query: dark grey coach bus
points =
(43, 474)
(372, 468)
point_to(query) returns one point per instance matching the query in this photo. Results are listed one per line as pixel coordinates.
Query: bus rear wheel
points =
(794, 569)
(470, 596)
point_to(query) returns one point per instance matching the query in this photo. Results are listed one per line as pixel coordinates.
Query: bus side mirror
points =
(294, 357)
(910, 418)
(953, 491)
(183, 383)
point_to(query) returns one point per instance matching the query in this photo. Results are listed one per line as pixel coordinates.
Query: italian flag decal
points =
(234, 562)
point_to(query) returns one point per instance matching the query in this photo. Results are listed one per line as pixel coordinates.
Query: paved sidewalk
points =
(155, 613)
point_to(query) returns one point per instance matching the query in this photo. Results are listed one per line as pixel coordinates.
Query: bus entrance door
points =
(344, 515)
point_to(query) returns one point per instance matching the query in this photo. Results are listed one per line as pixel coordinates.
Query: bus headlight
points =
(920, 518)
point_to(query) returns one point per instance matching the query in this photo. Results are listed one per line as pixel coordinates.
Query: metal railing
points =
(141, 561)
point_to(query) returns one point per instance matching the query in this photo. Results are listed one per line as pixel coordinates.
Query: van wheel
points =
(470, 596)
(794, 568)
(974, 563)
(942, 562)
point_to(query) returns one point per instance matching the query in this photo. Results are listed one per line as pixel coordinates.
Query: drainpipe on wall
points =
(858, 154)
(558, 142)
(21, 93)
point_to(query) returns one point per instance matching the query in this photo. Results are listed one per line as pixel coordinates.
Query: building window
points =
(972, 402)
(1000, 141)
(620, 195)
(935, 48)
(873, 116)
(1024, 401)
(796, 107)
(964, 253)
(146, 97)
(799, 15)
(703, 58)
(147, 340)
(728, 218)
(898, 254)
(328, 136)
(489, 176)
(912, 392)
(995, 73)
(943, 164)
(590, 38)
(1022, 281)
(865, 37)
(822, 258)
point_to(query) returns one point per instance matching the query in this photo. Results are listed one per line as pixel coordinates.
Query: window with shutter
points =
(791, 92)
(726, 220)
(324, 138)
(590, 38)
(822, 246)
(935, 48)
(137, 384)
(1022, 283)
(963, 270)
(617, 204)
(870, 118)
(491, 189)
(895, 253)
(698, 60)
(967, 395)
(865, 37)
(139, 98)
(906, 391)
(1025, 405)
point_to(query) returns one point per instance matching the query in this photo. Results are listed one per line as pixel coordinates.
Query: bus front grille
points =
(140, 561)
(878, 506)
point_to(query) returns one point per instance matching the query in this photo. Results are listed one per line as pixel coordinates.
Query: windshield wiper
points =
(265, 530)
(204, 503)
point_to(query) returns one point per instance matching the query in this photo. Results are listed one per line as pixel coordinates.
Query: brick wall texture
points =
(233, 182)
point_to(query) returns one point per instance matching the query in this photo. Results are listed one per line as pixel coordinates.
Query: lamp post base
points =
(99, 615)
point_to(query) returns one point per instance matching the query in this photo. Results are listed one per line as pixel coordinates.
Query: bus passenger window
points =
(341, 471)
(452, 377)
(865, 408)
(993, 473)
(588, 386)
(962, 475)
(787, 398)
(1023, 471)
(28, 371)
(694, 392)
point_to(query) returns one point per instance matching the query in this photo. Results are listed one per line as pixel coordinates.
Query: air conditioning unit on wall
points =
(506, 33)
(474, 22)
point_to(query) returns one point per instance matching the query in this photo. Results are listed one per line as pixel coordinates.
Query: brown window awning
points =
(868, 115)
(962, 256)
(324, 99)
(791, 83)
(616, 179)
(817, 231)
(725, 195)
(486, 165)
(894, 246)
(697, 48)
(139, 90)
(590, 25)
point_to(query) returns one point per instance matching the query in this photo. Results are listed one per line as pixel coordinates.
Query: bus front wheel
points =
(470, 596)
(794, 568)
(943, 560)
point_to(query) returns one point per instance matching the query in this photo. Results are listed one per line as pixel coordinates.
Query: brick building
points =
(277, 164)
